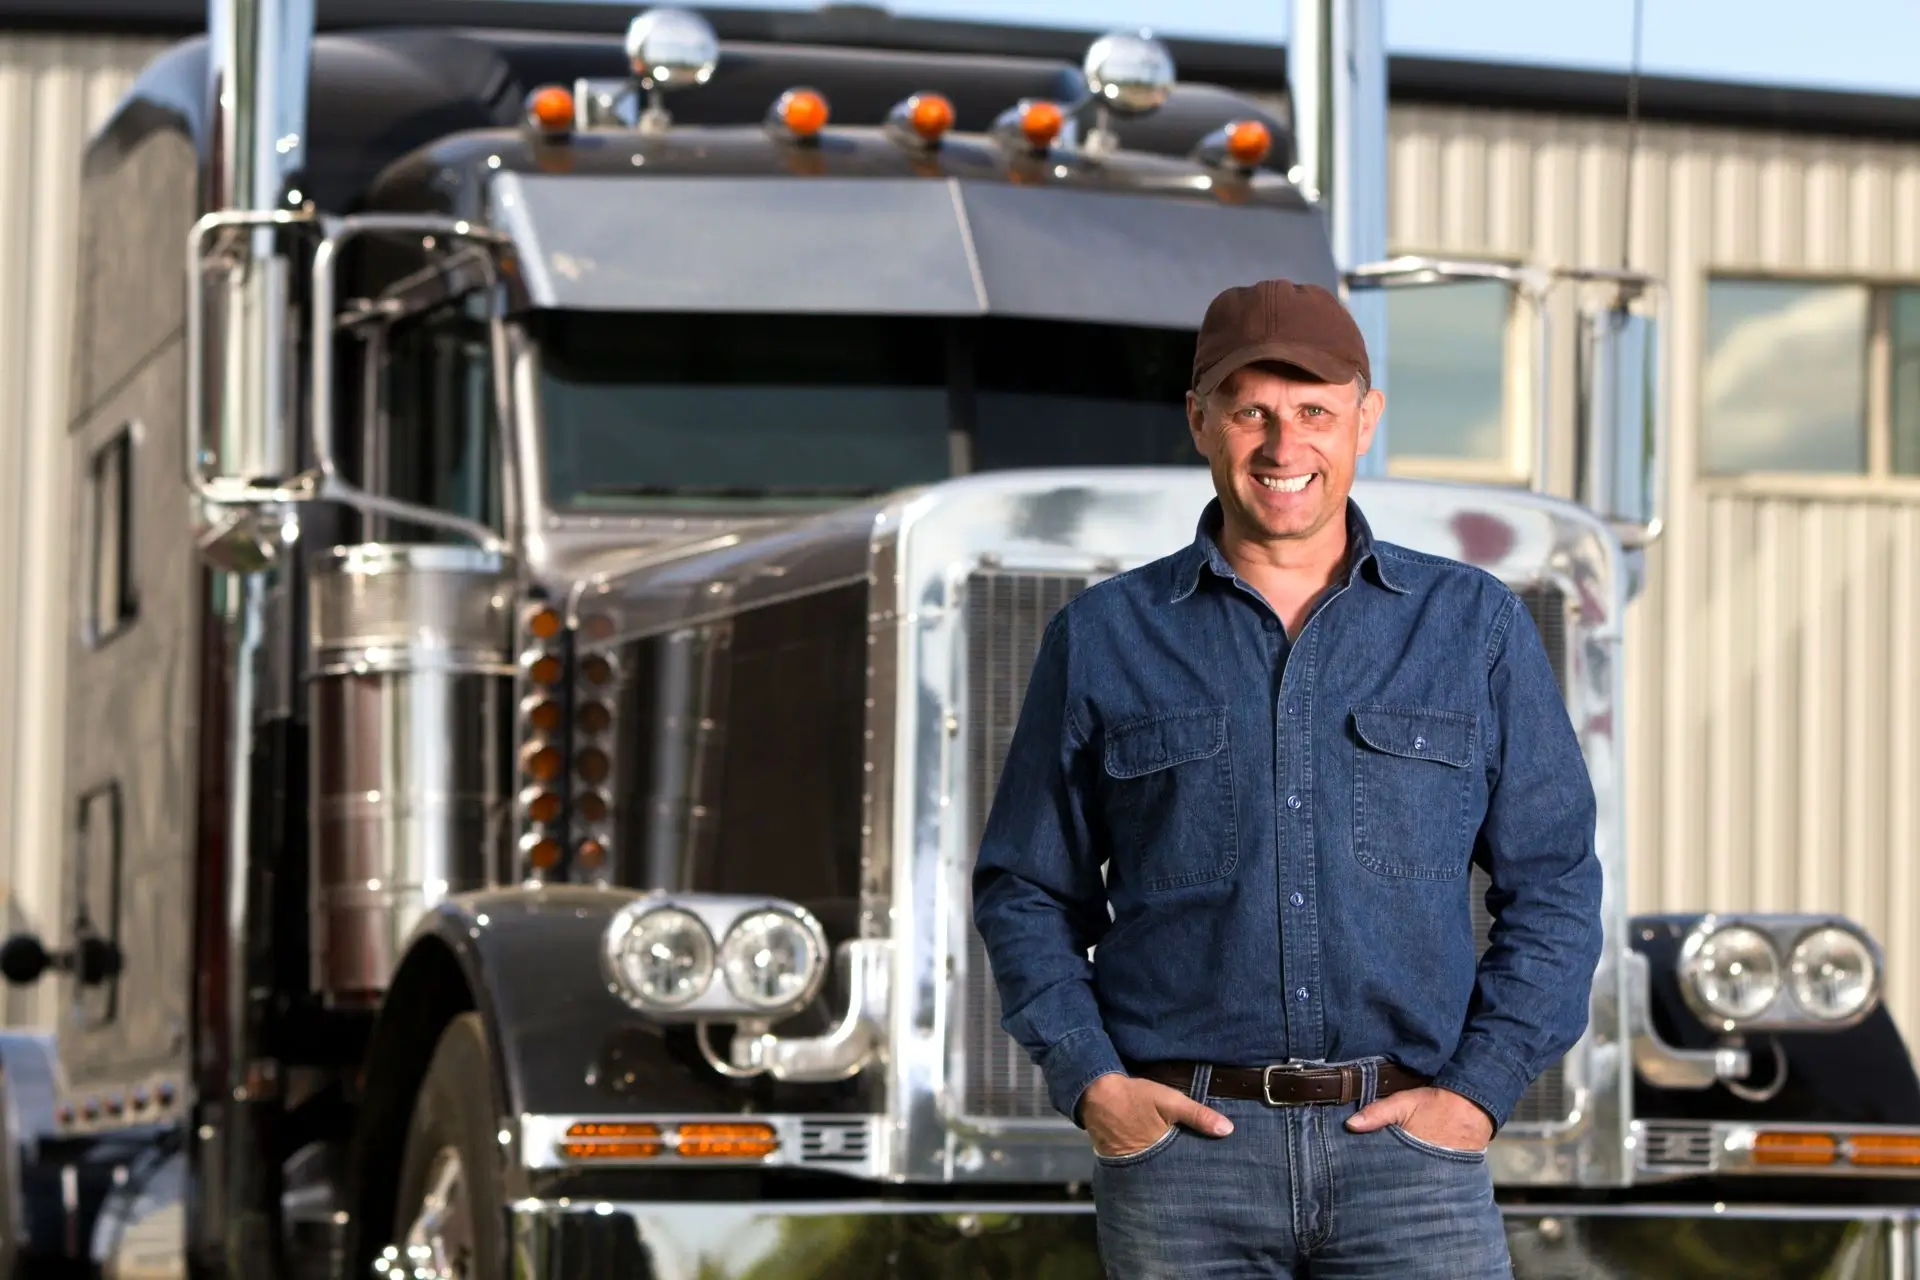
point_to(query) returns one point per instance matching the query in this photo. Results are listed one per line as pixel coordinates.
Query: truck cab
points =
(568, 520)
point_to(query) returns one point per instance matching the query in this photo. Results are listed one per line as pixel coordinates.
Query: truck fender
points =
(527, 960)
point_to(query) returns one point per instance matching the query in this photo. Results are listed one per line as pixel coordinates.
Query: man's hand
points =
(1439, 1116)
(1123, 1114)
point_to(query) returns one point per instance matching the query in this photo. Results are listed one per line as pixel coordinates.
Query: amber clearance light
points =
(1041, 123)
(1248, 142)
(612, 1141)
(801, 112)
(550, 110)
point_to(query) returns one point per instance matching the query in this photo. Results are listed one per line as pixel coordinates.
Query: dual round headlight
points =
(665, 958)
(1737, 973)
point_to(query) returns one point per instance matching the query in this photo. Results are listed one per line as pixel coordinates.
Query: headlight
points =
(663, 957)
(771, 959)
(1734, 971)
(1833, 973)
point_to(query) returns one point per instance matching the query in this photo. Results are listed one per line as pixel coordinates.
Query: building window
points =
(1811, 378)
(1447, 372)
(109, 512)
(1784, 380)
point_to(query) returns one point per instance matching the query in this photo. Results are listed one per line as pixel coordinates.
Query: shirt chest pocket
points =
(1413, 790)
(1170, 803)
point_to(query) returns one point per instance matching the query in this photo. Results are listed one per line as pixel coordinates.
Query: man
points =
(1255, 773)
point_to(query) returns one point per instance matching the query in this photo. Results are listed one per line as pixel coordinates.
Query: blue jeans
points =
(1292, 1192)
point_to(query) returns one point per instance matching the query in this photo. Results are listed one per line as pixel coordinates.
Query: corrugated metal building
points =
(1775, 700)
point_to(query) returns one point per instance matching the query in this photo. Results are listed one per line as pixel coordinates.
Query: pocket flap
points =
(1417, 733)
(1165, 741)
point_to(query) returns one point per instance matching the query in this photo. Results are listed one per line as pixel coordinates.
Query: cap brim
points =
(1311, 360)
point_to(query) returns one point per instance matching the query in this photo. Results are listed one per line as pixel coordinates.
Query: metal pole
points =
(1337, 75)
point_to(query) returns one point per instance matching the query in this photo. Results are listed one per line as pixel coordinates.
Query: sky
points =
(1862, 45)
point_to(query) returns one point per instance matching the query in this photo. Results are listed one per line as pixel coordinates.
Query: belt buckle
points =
(1266, 1079)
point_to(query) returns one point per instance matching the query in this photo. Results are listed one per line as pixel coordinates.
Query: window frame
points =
(1878, 479)
(96, 631)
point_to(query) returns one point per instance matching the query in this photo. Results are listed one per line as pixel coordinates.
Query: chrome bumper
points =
(1667, 1149)
(561, 1240)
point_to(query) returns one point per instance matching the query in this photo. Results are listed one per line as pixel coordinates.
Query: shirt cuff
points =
(1485, 1076)
(1076, 1062)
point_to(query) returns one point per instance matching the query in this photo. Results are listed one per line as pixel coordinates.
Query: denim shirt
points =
(1265, 845)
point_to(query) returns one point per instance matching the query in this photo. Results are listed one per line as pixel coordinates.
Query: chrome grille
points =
(1675, 1145)
(1549, 1100)
(1006, 614)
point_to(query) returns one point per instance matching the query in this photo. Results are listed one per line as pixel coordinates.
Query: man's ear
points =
(1372, 405)
(1197, 422)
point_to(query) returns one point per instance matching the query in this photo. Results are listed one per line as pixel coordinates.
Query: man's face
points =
(1282, 451)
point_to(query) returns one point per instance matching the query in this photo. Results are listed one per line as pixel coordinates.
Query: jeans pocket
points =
(1158, 1145)
(1435, 1149)
(1412, 787)
(1170, 807)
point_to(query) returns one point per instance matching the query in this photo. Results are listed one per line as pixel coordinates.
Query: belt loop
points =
(1201, 1081)
(1369, 1081)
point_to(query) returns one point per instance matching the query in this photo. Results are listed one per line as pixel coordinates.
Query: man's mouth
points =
(1286, 484)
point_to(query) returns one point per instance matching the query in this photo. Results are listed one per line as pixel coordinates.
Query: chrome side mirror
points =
(1618, 462)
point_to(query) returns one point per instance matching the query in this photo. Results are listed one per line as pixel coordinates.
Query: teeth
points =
(1289, 484)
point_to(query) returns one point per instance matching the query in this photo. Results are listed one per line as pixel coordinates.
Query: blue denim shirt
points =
(1267, 844)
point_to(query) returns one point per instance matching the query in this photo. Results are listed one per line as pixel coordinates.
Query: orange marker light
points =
(550, 109)
(1248, 142)
(544, 807)
(1794, 1148)
(592, 853)
(587, 1141)
(596, 670)
(1042, 122)
(592, 765)
(594, 717)
(544, 716)
(541, 763)
(592, 806)
(545, 671)
(545, 856)
(1886, 1149)
(803, 111)
(931, 116)
(728, 1141)
(544, 624)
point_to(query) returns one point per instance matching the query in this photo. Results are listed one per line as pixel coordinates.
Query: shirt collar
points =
(1204, 553)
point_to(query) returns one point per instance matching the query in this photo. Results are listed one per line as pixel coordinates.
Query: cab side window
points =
(441, 430)
(107, 513)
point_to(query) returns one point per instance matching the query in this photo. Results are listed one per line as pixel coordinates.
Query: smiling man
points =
(1254, 775)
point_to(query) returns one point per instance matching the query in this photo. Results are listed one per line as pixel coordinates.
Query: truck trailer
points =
(564, 524)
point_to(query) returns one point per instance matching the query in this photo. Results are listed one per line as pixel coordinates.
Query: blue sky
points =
(1840, 44)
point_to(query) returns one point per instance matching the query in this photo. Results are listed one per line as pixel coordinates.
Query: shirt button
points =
(1298, 899)
(1419, 744)
(1300, 993)
(1293, 802)
(1272, 624)
(1293, 708)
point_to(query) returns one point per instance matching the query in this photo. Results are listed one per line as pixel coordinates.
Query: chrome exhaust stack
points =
(1337, 78)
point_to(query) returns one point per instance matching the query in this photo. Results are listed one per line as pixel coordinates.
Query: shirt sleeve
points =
(1531, 994)
(1039, 900)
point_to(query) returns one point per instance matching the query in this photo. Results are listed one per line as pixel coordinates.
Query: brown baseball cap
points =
(1302, 325)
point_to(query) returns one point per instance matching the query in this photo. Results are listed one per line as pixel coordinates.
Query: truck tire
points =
(450, 1198)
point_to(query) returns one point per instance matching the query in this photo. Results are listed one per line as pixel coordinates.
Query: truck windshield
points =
(716, 412)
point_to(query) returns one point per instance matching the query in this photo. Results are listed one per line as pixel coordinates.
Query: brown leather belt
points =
(1283, 1084)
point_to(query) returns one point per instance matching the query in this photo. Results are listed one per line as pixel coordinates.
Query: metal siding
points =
(54, 91)
(1773, 700)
